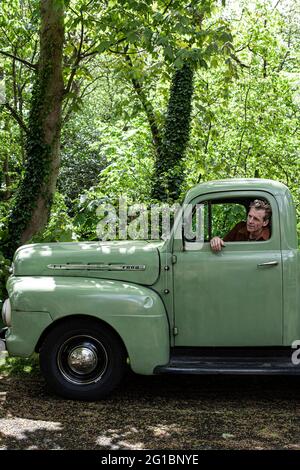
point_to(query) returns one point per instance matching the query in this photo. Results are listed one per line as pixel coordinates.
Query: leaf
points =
(178, 63)
(203, 63)
(103, 46)
(226, 36)
(132, 36)
(168, 52)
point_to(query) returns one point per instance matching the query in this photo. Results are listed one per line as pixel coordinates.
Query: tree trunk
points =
(31, 210)
(148, 108)
(169, 171)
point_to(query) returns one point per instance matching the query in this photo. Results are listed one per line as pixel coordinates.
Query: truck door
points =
(232, 298)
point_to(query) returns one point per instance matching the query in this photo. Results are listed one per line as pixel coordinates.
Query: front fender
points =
(135, 312)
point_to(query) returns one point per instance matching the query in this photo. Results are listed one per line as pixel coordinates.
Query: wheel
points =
(82, 359)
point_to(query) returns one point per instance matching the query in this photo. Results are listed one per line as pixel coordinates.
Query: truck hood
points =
(132, 261)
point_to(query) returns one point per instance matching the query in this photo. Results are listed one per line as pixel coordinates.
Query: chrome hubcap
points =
(82, 360)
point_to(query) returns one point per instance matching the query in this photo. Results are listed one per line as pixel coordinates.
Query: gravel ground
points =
(183, 412)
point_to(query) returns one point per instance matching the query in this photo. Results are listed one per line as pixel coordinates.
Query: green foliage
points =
(18, 36)
(10, 158)
(60, 227)
(250, 127)
(39, 150)
(245, 109)
(82, 156)
(19, 366)
(129, 162)
(168, 175)
(85, 220)
(37, 170)
(4, 263)
(225, 217)
(4, 273)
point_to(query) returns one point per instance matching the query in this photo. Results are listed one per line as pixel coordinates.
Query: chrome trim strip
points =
(98, 267)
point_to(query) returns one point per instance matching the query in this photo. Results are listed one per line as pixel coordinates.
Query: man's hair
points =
(262, 205)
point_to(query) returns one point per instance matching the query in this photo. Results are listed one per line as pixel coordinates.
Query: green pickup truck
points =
(93, 309)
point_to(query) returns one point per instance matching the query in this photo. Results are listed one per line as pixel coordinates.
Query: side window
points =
(220, 216)
(225, 216)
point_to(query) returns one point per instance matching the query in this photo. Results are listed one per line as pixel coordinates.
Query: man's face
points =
(255, 220)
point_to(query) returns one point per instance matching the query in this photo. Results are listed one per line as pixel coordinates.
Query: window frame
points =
(274, 242)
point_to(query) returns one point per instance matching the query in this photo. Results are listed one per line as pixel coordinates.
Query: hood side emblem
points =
(97, 267)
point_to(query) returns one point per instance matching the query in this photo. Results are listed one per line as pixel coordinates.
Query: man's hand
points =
(216, 244)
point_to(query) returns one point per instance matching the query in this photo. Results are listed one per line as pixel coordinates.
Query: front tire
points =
(82, 359)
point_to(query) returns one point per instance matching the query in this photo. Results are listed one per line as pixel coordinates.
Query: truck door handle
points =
(267, 264)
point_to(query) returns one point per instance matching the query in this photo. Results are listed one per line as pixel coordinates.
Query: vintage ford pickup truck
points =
(93, 309)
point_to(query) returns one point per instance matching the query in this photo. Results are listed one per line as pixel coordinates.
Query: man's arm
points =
(217, 243)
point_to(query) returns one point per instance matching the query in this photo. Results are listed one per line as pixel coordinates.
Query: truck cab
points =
(92, 309)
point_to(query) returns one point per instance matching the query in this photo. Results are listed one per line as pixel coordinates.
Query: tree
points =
(129, 55)
(250, 126)
(169, 171)
(18, 39)
(33, 200)
(118, 23)
(180, 34)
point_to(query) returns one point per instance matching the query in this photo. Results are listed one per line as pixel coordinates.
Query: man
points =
(255, 229)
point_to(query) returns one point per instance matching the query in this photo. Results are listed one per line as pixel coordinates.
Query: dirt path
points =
(182, 412)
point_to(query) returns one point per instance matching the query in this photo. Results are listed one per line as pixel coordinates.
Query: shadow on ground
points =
(183, 412)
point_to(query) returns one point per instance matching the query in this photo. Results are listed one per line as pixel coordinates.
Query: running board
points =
(230, 365)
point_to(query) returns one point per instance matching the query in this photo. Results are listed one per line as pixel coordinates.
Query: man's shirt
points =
(239, 233)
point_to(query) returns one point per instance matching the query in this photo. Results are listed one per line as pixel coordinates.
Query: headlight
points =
(6, 313)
